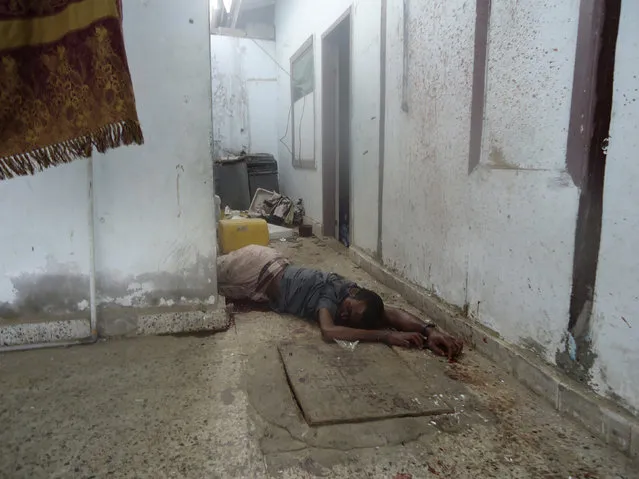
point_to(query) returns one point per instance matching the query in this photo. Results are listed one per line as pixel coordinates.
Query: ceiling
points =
(244, 12)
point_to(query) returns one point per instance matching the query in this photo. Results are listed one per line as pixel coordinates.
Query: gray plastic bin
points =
(262, 173)
(231, 183)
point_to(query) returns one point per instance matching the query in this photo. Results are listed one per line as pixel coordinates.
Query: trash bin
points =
(231, 183)
(262, 173)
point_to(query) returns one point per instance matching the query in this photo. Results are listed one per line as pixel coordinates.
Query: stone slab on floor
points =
(334, 385)
(601, 416)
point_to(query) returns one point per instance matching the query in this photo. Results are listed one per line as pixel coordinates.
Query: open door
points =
(336, 138)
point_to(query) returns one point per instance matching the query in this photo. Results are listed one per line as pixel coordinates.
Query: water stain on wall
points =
(66, 292)
(498, 160)
(49, 293)
(191, 284)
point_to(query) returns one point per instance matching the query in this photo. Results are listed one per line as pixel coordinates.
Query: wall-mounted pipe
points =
(92, 290)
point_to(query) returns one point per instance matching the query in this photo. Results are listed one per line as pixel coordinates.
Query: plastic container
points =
(257, 205)
(306, 231)
(263, 181)
(262, 173)
(231, 183)
(237, 233)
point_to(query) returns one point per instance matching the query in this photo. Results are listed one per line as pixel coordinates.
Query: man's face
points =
(351, 313)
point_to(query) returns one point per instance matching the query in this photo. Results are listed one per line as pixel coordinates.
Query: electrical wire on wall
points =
(288, 122)
(290, 110)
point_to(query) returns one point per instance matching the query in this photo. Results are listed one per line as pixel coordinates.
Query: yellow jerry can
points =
(235, 234)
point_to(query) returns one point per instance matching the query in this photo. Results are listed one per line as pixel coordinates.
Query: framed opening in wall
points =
(303, 106)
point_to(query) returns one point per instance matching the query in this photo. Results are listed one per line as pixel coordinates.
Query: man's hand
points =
(444, 344)
(438, 342)
(406, 340)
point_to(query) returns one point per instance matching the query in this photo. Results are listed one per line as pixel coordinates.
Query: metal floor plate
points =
(333, 385)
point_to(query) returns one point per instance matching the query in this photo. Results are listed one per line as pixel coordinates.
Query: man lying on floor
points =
(343, 310)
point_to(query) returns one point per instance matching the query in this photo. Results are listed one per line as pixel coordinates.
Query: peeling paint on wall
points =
(44, 293)
(244, 95)
(155, 241)
(194, 284)
(63, 293)
(577, 358)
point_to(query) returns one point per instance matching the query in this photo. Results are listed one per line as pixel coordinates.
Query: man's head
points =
(362, 309)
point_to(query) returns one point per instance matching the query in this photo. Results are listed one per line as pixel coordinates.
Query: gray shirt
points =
(304, 291)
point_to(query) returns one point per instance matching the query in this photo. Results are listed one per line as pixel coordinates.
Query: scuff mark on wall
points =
(7, 311)
(562, 181)
(534, 346)
(179, 169)
(498, 160)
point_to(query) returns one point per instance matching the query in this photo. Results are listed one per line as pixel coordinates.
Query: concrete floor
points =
(219, 406)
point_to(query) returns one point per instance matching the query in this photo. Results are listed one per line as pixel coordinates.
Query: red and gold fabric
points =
(65, 86)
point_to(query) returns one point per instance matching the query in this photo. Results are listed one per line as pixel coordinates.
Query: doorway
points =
(336, 129)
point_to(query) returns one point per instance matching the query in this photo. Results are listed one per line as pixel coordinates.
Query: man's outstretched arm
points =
(437, 341)
(331, 331)
(404, 321)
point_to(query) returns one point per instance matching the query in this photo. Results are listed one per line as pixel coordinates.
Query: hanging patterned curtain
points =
(65, 86)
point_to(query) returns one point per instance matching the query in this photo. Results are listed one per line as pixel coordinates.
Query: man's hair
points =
(372, 317)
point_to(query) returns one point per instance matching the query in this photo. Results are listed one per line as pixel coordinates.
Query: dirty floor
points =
(220, 406)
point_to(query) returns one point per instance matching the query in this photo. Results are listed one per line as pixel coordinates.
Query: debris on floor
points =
(277, 211)
(220, 406)
(276, 232)
(276, 208)
(348, 345)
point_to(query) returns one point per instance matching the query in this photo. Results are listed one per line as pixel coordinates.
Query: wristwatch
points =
(425, 328)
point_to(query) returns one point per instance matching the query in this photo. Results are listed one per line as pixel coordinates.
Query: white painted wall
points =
(616, 317)
(522, 205)
(295, 21)
(494, 239)
(501, 238)
(155, 220)
(425, 231)
(154, 215)
(245, 91)
(531, 57)
(44, 267)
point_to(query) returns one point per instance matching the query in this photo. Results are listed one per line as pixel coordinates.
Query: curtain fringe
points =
(107, 137)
